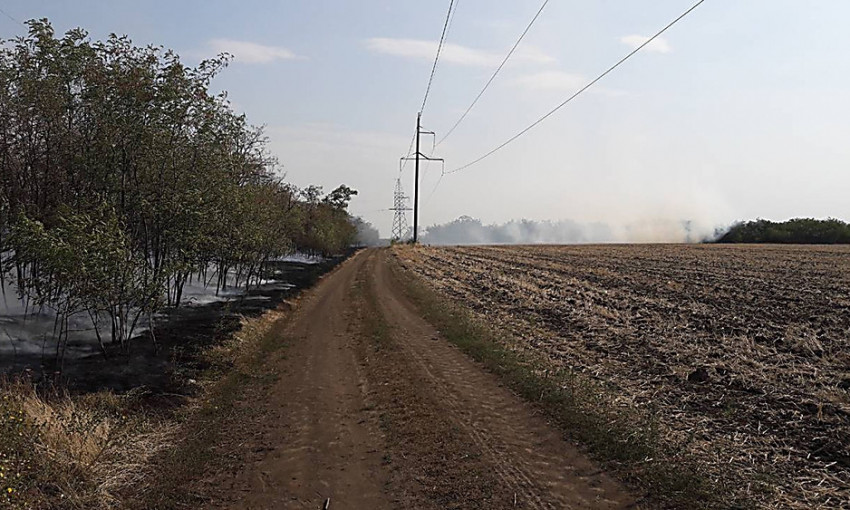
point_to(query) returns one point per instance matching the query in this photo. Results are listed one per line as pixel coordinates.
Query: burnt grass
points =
(168, 370)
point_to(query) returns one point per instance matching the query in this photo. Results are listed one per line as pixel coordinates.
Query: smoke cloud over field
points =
(467, 230)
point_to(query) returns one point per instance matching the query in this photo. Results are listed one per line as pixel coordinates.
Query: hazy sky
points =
(742, 110)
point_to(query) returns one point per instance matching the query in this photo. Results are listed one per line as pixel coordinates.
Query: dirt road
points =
(395, 417)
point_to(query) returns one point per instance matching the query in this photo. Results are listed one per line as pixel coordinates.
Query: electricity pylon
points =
(400, 205)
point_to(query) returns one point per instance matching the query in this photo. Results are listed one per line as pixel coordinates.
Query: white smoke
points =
(467, 230)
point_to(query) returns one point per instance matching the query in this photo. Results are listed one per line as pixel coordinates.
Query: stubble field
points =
(740, 354)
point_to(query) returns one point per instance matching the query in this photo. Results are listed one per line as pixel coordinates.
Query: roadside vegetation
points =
(105, 450)
(123, 176)
(204, 445)
(796, 231)
(81, 452)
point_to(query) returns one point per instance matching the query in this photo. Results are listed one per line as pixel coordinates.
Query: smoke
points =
(367, 235)
(467, 230)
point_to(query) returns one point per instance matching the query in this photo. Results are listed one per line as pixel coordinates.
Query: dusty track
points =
(408, 423)
(529, 456)
(320, 441)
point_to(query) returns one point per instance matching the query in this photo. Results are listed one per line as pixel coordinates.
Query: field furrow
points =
(740, 352)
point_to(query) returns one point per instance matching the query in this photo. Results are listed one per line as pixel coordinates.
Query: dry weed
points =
(74, 452)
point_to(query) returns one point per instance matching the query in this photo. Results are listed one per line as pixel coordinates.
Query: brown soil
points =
(739, 352)
(373, 409)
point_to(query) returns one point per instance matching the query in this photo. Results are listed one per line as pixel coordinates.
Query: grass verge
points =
(104, 450)
(238, 368)
(624, 439)
(133, 450)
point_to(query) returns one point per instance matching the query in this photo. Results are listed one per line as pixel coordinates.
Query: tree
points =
(340, 197)
(797, 231)
(122, 175)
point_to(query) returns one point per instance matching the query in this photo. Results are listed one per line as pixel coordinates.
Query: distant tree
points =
(340, 197)
(796, 231)
(467, 230)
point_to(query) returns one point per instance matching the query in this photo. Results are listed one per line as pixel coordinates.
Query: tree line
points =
(795, 231)
(122, 175)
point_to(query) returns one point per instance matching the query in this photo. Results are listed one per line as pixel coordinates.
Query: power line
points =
(358, 213)
(452, 18)
(498, 69)
(409, 148)
(437, 57)
(418, 132)
(541, 119)
(10, 16)
(486, 86)
(446, 27)
(434, 189)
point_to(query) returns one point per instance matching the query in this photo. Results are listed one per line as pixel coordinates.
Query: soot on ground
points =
(182, 334)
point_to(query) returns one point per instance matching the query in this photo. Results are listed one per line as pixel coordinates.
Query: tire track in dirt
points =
(409, 423)
(433, 464)
(527, 453)
(317, 439)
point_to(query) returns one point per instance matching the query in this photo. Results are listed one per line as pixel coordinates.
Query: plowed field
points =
(742, 353)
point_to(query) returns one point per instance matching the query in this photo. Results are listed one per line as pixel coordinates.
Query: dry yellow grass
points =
(248, 336)
(78, 452)
(103, 450)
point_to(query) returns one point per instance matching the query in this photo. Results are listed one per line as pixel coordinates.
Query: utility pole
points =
(418, 155)
(416, 181)
(399, 206)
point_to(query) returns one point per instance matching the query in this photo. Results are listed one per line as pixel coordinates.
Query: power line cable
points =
(407, 154)
(10, 17)
(434, 189)
(437, 57)
(486, 86)
(358, 213)
(446, 27)
(496, 73)
(551, 112)
(451, 20)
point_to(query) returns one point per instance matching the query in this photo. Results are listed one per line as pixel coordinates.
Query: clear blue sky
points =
(742, 111)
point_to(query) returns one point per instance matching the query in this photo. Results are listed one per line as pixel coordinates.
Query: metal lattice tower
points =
(400, 205)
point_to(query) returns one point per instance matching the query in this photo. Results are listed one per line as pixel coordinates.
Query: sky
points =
(740, 111)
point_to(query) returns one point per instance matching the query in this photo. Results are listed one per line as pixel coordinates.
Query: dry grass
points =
(102, 450)
(97, 450)
(81, 452)
(204, 448)
(248, 339)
